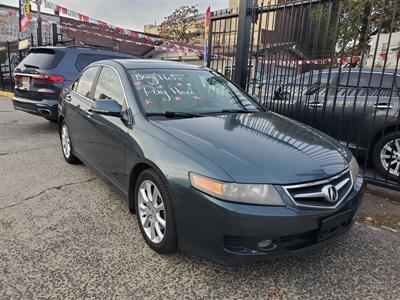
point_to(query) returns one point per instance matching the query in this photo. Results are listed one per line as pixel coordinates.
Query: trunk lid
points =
(35, 78)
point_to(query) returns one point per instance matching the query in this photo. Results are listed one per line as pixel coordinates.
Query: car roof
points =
(390, 71)
(86, 49)
(150, 63)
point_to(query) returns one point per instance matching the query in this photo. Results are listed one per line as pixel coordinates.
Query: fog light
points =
(264, 244)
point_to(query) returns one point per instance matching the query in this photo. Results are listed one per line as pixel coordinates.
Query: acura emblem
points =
(330, 193)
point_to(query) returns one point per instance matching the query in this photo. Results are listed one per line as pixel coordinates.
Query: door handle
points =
(68, 97)
(383, 106)
(315, 104)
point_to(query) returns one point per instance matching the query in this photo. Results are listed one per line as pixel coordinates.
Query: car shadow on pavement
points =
(353, 264)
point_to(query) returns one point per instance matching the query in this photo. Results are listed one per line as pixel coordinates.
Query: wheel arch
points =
(137, 169)
(60, 121)
(381, 133)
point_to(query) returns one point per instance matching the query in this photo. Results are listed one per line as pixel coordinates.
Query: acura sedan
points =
(203, 166)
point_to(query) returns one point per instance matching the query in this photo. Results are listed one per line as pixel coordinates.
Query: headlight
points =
(354, 168)
(263, 194)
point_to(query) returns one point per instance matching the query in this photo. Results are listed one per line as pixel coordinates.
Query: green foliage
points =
(359, 21)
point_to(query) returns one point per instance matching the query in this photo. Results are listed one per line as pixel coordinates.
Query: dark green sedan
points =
(203, 166)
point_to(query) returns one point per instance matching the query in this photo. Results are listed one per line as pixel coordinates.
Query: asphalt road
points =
(64, 233)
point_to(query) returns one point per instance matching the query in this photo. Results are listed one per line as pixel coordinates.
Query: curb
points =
(6, 94)
(383, 192)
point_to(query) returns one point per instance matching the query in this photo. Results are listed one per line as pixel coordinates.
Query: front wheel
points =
(154, 212)
(386, 156)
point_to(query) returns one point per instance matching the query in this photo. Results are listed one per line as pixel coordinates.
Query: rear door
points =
(365, 102)
(35, 78)
(79, 101)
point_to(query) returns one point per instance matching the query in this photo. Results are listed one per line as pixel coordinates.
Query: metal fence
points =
(333, 65)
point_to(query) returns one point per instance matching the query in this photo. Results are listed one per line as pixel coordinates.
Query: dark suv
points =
(360, 108)
(42, 74)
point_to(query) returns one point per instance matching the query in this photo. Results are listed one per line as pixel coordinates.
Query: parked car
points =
(360, 109)
(204, 167)
(43, 73)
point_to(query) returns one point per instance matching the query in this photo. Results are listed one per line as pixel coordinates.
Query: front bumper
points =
(228, 233)
(44, 108)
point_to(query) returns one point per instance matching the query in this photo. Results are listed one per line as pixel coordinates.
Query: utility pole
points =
(39, 23)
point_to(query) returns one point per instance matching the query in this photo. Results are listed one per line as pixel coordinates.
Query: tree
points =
(359, 21)
(181, 25)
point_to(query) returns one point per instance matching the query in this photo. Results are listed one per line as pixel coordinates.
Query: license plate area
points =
(25, 82)
(333, 225)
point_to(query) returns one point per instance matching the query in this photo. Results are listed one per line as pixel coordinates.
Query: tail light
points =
(17, 77)
(46, 78)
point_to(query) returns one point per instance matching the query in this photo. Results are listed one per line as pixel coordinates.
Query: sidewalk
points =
(381, 209)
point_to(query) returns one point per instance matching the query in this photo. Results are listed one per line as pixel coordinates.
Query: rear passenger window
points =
(109, 86)
(85, 59)
(41, 58)
(364, 84)
(84, 84)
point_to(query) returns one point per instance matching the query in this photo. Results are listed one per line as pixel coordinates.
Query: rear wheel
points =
(67, 145)
(386, 156)
(154, 212)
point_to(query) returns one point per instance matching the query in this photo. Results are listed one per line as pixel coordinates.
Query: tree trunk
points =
(364, 36)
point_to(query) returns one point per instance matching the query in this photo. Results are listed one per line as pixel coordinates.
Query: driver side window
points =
(109, 87)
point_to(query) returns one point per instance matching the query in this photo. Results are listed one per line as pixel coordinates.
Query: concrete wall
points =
(382, 47)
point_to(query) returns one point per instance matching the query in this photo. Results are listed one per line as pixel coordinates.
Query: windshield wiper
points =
(174, 114)
(238, 111)
(31, 66)
(232, 111)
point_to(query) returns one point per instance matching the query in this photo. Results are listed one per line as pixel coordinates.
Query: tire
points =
(161, 238)
(382, 156)
(66, 145)
(52, 120)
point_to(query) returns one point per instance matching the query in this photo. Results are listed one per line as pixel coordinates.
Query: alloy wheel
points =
(65, 141)
(151, 211)
(390, 157)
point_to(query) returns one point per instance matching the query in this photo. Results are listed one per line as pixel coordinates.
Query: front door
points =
(110, 133)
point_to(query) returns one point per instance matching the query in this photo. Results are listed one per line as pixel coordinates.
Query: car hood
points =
(261, 147)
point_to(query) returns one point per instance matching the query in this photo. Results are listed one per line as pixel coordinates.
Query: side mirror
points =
(281, 95)
(108, 108)
(277, 94)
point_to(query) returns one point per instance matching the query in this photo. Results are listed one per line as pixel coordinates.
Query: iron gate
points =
(333, 65)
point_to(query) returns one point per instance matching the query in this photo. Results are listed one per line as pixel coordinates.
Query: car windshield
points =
(188, 91)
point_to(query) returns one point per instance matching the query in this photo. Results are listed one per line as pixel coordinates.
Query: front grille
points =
(327, 193)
